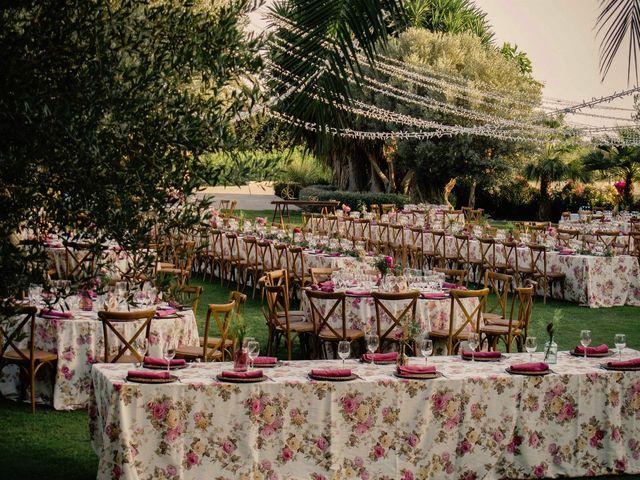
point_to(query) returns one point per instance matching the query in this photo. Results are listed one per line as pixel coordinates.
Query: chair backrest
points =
(500, 285)
(453, 275)
(510, 255)
(251, 252)
(240, 299)
(523, 298)
(394, 311)
(383, 234)
(306, 222)
(11, 332)
(114, 321)
(387, 207)
(221, 314)
(265, 254)
(80, 259)
(488, 253)
(634, 244)
(234, 246)
(538, 255)
(279, 278)
(362, 229)
(324, 306)
(281, 255)
(216, 247)
(470, 317)
(451, 217)
(321, 274)
(278, 306)
(295, 264)
(193, 294)
(564, 236)
(607, 238)
(439, 243)
(463, 250)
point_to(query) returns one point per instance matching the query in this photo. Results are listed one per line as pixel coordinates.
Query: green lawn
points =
(55, 445)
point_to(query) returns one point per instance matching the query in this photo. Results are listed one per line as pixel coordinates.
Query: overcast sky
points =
(560, 39)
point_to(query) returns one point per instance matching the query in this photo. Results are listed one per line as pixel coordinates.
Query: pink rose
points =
(358, 462)
(266, 465)
(158, 411)
(228, 447)
(567, 411)
(389, 261)
(412, 440)
(171, 470)
(349, 405)
(407, 475)
(293, 412)
(172, 435)
(465, 446)
(534, 440)
(616, 436)
(268, 430)
(539, 471)
(192, 458)
(498, 436)
(256, 406)
(286, 454)
(378, 451)
(322, 443)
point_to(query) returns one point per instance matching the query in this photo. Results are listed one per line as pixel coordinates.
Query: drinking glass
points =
(531, 345)
(169, 354)
(373, 341)
(253, 349)
(35, 291)
(344, 350)
(143, 346)
(426, 348)
(246, 340)
(621, 341)
(585, 340)
(474, 342)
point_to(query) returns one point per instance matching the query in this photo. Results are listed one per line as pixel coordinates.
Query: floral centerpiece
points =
(240, 353)
(385, 264)
(551, 347)
(406, 337)
(261, 221)
(346, 208)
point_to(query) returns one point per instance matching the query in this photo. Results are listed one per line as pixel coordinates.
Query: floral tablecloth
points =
(78, 342)
(476, 421)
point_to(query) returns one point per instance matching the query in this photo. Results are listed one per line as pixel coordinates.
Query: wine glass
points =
(426, 348)
(344, 350)
(169, 354)
(253, 349)
(144, 346)
(531, 345)
(35, 291)
(585, 340)
(621, 341)
(373, 341)
(246, 340)
(474, 342)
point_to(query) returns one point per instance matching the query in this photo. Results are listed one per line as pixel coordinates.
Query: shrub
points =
(353, 199)
(303, 168)
(515, 200)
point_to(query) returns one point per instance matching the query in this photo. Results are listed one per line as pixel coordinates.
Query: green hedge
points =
(353, 199)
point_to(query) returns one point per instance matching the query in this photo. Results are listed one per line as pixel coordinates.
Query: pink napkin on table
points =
(265, 360)
(155, 361)
(566, 252)
(468, 354)
(331, 372)
(633, 363)
(326, 289)
(529, 367)
(247, 374)
(453, 286)
(334, 254)
(55, 313)
(435, 295)
(165, 312)
(416, 369)
(327, 283)
(146, 374)
(600, 349)
(356, 293)
(380, 357)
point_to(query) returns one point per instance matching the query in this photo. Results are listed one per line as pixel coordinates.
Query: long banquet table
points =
(79, 342)
(476, 421)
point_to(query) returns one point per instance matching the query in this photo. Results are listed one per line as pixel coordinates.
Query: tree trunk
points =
(544, 210)
(472, 194)
(626, 194)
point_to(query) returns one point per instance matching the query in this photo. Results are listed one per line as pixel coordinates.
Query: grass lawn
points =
(55, 445)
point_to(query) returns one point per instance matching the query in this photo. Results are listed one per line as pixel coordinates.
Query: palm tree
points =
(553, 165)
(613, 161)
(617, 21)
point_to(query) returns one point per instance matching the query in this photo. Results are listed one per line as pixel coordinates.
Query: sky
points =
(560, 39)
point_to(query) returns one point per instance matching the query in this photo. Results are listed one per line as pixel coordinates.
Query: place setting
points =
(342, 374)
(530, 368)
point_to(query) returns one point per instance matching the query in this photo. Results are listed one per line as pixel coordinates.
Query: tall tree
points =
(619, 20)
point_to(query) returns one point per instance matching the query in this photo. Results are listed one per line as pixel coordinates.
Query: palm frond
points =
(617, 21)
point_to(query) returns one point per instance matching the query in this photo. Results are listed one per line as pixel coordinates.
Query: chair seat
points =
(489, 317)
(215, 341)
(299, 327)
(294, 313)
(38, 355)
(351, 334)
(499, 330)
(190, 352)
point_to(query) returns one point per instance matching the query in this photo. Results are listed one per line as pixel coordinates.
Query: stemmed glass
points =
(253, 349)
(621, 341)
(35, 291)
(474, 342)
(144, 346)
(344, 350)
(585, 340)
(426, 348)
(169, 354)
(531, 345)
(373, 341)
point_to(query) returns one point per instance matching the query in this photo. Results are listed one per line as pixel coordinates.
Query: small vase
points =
(240, 360)
(402, 356)
(551, 352)
(86, 304)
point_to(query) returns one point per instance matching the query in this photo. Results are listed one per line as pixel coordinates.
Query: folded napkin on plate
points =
(357, 293)
(566, 252)
(162, 362)
(56, 313)
(434, 295)
(147, 374)
(633, 363)
(468, 354)
(326, 289)
(380, 357)
(247, 374)
(334, 254)
(327, 283)
(265, 360)
(416, 369)
(600, 349)
(165, 312)
(529, 367)
(452, 286)
(331, 372)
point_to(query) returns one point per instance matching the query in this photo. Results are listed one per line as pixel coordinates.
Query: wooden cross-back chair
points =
(387, 207)
(113, 324)
(509, 262)
(387, 304)
(183, 255)
(397, 246)
(295, 265)
(487, 254)
(232, 260)
(251, 266)
(216, 254)
(192, 293)
(280, 255)
(453, 275)
(324, 306)
(208, 351)
(228, 345)
(564, 236)
(464, 260)
(472, 215)
(80, 259)
(515, 328)
(282, 324)
(539, 272)
(500, 285)
(608, 239)
(306, 222)
(416, 248)
(30, 359)
(451, 217)
(381, 242)
(471, 318)
(321, 274)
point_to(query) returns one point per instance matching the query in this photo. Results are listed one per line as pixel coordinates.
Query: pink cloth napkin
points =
(380, 357)
(600, 349)
(165, 312)
(327, 283)
(566, 252)
(334, 254)
(416, 369)
(56, 313)
(247, 374)
(331, 372)
(530, 367)
(155, 361)
(265, 360)
(435, 296)
(357, 294)
(146, 374)
(467, 354)
(633, 363)
(452, 286)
